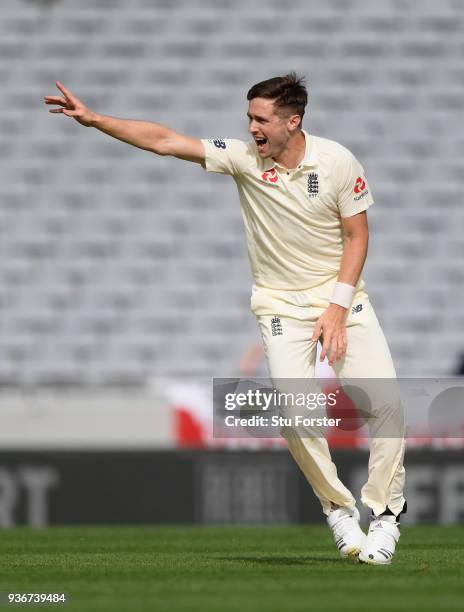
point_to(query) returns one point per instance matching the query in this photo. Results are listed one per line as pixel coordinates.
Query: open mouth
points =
(261, 142)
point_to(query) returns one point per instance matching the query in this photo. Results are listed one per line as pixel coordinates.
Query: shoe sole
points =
(373, 562)
(352, 553)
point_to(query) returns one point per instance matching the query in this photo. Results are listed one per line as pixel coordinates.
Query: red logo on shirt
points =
(360, 185)
(270, 176)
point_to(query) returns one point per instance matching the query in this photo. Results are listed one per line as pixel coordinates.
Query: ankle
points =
(390, 518)
(387, 515)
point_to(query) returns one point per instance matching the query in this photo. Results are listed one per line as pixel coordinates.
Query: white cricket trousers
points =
(290, 354)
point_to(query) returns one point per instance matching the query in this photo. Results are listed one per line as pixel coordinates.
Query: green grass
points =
(240, 569)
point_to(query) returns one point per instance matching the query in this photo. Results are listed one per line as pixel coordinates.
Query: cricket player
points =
(304, 200)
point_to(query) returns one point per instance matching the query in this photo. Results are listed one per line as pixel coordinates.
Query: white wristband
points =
(343, 294)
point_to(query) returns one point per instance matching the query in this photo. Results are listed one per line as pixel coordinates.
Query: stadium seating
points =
(117, 265)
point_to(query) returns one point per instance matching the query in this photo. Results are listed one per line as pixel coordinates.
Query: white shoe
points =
(348, 535)
(381, 540)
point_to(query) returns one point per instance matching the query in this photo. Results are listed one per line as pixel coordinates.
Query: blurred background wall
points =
(122, 269)
(117, 264)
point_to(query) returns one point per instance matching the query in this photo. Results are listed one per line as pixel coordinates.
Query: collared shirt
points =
(293, 217)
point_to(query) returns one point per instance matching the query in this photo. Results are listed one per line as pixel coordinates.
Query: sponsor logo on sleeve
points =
(360, 187)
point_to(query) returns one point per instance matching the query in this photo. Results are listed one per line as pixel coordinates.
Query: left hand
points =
(331, 325)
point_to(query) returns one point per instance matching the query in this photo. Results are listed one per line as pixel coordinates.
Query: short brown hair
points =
(287, 91)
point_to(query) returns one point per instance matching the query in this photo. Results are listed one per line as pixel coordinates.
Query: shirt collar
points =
(309, 159)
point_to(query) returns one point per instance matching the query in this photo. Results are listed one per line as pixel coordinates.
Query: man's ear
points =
(294, 122)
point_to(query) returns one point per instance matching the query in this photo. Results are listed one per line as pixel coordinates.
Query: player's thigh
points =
(368, 354)
(368, 363)
(289, 349)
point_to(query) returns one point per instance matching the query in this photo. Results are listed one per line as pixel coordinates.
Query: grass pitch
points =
(230, 569)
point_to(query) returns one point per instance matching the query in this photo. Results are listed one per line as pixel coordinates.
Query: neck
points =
(293, 153)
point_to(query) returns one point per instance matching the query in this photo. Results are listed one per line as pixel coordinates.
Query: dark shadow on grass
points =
(276, 560)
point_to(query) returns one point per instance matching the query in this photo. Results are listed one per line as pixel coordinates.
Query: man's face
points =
(271, 131)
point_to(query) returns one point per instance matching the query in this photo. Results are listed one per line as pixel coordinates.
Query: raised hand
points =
(71, 106)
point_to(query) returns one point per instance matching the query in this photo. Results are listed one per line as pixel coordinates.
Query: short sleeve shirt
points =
(293, 217)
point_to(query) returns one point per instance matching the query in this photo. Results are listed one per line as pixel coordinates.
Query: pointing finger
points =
(67, 94)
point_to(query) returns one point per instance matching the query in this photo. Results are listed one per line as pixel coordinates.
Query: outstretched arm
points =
(145, 135)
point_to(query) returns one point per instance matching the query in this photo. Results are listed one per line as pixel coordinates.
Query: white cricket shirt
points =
(293, 217)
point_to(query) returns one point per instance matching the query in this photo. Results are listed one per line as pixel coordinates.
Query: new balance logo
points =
(356, 308)
(276, 327)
